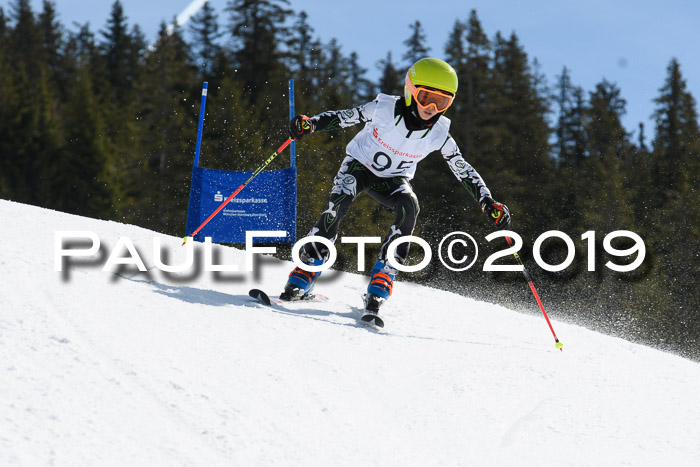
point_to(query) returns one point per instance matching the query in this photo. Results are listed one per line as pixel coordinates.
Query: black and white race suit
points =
(381, 160)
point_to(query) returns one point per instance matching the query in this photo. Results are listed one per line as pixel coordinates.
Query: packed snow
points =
(123, 367)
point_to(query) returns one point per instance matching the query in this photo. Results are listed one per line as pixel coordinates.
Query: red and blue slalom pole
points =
(238, 190)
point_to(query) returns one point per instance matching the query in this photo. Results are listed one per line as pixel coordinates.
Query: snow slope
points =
(164, 369)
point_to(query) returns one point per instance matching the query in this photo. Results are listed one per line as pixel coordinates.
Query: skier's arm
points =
(465, 173)
(332, 119)
(472, 181)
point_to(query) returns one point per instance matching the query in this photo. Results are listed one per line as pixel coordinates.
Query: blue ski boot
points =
(380, 286)
(301, 282)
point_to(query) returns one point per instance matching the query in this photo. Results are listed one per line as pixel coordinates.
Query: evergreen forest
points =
(101, 123)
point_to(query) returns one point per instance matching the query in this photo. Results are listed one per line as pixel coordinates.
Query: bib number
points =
(382, 162)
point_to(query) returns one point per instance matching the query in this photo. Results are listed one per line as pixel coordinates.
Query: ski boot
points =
(378, 291)
(301, 282)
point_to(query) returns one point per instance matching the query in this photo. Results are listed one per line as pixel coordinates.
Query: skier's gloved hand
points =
(301, 125)
(496, 211)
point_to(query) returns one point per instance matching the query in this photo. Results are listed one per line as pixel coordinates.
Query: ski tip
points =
(260, 295)
(372, 319)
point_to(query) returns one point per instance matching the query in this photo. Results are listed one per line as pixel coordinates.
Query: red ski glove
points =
(498, 212)
(301, 125)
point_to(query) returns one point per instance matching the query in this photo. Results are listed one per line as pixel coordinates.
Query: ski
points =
(372, 319)
(371, 311)
(265, 299)
(260, 296)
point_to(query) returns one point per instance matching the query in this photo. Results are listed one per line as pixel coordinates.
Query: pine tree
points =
(81, 170)
(116, 75)
(258, 28)
(570, 143)
(477, 93)
(676, 214)
(603, 184)
(456, 56)
(391, 80)
(570, 152)
(32, 129)
(3, 28)
(25, 39)
(315, 77)
(205, 29)
(676, 133)
(118, 49)
(456, 47)
(360, 88)
(416, 47)
(7, 103)
(520, 151)
(301, 42)
(168, 133)
(234, 136)
(52, 42)
(85, 48)
(337, 86)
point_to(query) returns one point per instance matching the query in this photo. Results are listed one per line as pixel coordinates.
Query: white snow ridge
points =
(99, 368)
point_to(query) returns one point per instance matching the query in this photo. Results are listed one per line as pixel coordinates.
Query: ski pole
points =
(238, 190)
(557, 344)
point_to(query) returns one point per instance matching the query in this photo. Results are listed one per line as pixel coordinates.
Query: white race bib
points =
(388, 148)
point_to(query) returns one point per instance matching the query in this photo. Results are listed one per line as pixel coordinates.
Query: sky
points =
(628, 42)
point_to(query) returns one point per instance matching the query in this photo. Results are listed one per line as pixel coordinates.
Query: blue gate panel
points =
(268, 202)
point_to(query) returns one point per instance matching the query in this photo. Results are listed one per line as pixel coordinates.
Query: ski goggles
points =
(427, 97)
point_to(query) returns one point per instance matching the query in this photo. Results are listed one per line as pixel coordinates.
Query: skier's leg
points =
(350, 180)
(397, 194)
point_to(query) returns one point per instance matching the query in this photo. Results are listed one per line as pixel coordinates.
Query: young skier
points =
(381, 161)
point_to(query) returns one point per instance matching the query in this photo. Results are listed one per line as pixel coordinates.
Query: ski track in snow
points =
(130, 368)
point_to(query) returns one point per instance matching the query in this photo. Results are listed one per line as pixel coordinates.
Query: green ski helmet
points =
(432, 73)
